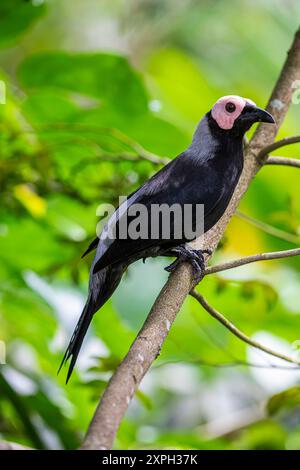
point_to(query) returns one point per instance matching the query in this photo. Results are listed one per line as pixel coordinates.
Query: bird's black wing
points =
(181, 181)
(92, 246)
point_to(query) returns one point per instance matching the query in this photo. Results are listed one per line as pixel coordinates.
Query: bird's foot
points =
(194, 257)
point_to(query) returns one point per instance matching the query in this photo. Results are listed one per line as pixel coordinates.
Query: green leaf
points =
(18, 307)
(107, 77)
(283, 401)
(155, 134)
(71, 218)
(35, 256)
(54, 418)
(112, 331)
(263, 435)
(38, 106)
(15, 17)
(144, 399)
(182, 86)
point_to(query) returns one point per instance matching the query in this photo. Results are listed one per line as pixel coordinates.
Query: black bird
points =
(206, 173)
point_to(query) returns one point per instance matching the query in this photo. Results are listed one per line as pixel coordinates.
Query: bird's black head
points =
(236, 115)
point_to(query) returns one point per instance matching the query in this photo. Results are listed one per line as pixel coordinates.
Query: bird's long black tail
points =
(77, 338)
(102, 285)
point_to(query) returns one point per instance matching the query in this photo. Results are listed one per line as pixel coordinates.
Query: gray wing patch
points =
(107, 237)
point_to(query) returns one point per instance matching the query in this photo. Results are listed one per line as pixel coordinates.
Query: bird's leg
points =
(186, 254)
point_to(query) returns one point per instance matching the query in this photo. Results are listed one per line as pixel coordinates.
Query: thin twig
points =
(115, 133)
(225, 365)
(294, 162)
(234, 362)
(238, 333)
(140, 154)
(115, 158)
(270, 229)
(278, 144)
(252, 259)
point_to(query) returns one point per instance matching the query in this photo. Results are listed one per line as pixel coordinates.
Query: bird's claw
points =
(194, 257)
(207, 251)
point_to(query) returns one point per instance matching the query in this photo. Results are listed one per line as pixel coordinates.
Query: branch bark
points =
(252, 259)
(294, 162)
(148, 343)
(278, 144)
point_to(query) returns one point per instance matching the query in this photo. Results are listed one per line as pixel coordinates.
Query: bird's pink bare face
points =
(227, 109)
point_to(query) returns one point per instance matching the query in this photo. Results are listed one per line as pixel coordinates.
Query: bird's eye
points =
(230, 107)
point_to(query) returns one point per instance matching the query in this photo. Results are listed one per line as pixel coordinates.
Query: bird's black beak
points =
(254, 114)
(261, 115)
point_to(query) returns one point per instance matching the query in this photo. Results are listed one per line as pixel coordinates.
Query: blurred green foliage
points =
(85, 83)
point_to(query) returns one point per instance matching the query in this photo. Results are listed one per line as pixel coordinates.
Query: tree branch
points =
(148, 343)
(252, 259)
(277, 145)
(227, 365)
(270, 229)
(294, 162)
(238, 333)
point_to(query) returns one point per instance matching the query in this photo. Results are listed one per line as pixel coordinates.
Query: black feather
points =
(78, 335)
(92, 246)
(102, 285)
